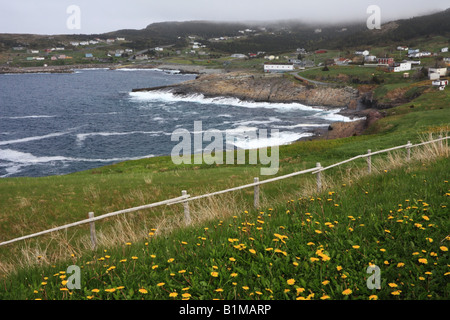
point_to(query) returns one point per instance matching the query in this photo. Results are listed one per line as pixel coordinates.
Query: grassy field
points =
(30, 205)
(305, 248)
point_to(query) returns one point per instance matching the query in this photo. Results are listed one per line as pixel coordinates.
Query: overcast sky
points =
(98, 16)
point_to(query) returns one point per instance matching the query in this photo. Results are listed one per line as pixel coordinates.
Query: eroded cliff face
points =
(269, 89)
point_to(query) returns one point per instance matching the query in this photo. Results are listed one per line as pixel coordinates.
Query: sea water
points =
(54, 124)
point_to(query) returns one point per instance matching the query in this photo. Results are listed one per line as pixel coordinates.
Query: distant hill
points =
(273, 37)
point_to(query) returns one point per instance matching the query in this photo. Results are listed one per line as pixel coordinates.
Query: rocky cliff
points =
(262, 88)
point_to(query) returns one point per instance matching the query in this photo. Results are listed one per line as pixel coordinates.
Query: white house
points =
(440, 83)
(434, 76)
(362, 52)
(441, 71)
(239, 56)
(402, 67)
(278, 67)
(402, 48)
(444, 49)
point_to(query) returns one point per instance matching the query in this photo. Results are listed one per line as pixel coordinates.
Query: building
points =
(402, 48)
(441, 71)
(444, 49)
(88, 55)
(278, 67)
(440, 83)
(239, 56)
(401, 67)
(362, 52)
(370, 58)
(434, 76)
(385, 61)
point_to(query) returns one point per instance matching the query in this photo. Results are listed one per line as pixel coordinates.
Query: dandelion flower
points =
(173, 294)
(423, 260)
(356, 247)
(347, 292)
(186, 295)
(160, 284)
(400, 264)
(393, 285)
(245, 288)
(373, 297)
(214, 274)
(252, 251)
(324, 297)
(143, 291)
(443, 248)
(325, 282)
(396, 293)
(291, 282)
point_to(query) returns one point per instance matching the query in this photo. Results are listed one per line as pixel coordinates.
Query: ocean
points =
(55, 124)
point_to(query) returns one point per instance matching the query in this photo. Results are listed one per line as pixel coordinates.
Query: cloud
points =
(49, 16)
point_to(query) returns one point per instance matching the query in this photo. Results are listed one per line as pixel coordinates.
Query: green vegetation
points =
(307, 248)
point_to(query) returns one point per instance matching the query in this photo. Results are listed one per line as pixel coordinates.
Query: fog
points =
(50, 16)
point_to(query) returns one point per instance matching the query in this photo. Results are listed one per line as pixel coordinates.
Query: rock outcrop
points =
(261, 88)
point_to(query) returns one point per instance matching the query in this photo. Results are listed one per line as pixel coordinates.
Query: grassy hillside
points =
(305, 248)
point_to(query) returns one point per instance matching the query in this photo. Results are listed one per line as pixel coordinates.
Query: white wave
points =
(283, 138)
(28, 139)
(29, 117)
(269, 120)
(169, 97)
(301, 125)
(18, 159)
(82, 136)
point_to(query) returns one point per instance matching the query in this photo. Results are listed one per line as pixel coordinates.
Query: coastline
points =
(218, 83)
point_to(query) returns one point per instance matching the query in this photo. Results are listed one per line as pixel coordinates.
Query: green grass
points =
(306, 248)
(34, 204)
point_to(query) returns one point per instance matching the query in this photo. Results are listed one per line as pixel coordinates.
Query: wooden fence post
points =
(408, 151)
(256, 194)
(93, 234)
(369, 161)
(187, 215)
(319, 177)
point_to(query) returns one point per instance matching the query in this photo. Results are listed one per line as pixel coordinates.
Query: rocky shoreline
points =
(279, 89)
(256, 87)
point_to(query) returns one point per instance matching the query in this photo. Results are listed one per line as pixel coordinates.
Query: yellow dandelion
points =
(355, 247)
(291, 282)
(396, 293)
(423, 260)
(347, 292)
(160, 284)
(252, 251)
(173, 294)
(245, 288)
(325, 282)
(324, 297)
(214, 274)
(443, 248)
(143, 291)
(373, 297)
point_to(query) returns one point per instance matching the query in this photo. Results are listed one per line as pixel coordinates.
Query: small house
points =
(278, 67)
(239, 56)
(385, 61)
(441, 71)
(362, 52)
(88, 55)
(444, 49)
